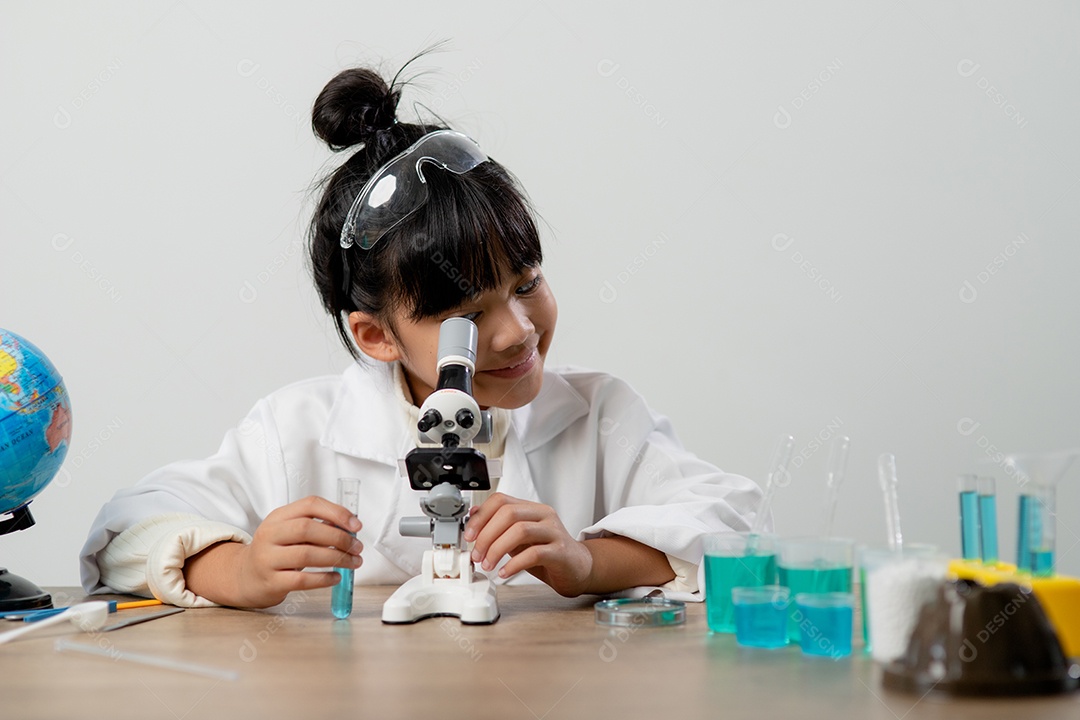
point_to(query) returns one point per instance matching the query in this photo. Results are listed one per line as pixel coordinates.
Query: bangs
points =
(475, 231)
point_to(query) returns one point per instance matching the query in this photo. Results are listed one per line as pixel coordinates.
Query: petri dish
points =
(635, 612)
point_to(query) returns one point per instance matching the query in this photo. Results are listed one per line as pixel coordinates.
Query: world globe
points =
(35, 432)
(35, 422)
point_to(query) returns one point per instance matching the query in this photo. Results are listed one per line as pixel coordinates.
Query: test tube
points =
(1040, 529)
(342, 595)
(988, 520)
(1029, 531)
(969, 517)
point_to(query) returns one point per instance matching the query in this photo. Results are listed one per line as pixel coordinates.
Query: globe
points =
(35, 431)
(35, 422)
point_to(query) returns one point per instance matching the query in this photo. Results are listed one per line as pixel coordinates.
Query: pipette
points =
(988, 520)
(887, 477)
(837, 464)
(970, 537)
(777, 475)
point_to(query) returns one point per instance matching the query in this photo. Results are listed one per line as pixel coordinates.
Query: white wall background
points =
(770, 218)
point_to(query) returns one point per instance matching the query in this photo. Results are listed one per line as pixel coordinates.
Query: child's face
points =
(515, 324)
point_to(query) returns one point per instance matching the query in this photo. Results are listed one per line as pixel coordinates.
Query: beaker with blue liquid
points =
(735, 559)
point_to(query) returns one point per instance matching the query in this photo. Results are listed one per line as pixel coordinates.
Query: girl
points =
(597, 493)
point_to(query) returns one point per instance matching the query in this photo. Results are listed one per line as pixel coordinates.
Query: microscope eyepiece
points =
(430, 419)
(458, 340)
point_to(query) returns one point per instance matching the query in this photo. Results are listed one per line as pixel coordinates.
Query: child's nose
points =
(514, 328)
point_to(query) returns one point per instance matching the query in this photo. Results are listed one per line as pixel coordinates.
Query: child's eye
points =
(471, 316)
(530, 286)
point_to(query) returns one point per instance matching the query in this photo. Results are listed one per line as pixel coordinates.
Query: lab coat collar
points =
(370, 419)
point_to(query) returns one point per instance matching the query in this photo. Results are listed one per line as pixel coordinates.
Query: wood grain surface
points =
(545, 658)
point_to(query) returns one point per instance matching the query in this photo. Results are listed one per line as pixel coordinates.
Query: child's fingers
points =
(478, 516)
(314, 506)
(516, 536)
(527, 559)
(308, 531)
(481, 514)
(298, 557)
(297, 580)
(504, 517)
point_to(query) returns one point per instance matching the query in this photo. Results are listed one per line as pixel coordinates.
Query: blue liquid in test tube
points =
(988, 520)
(1039, 529)
(341, 598)
(1029, 534)
(969, 518)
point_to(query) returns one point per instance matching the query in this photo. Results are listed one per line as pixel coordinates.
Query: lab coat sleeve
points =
(148, 558)
(660, 494)
(224, 496)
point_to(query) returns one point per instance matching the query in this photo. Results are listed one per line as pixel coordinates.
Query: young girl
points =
(597, 494)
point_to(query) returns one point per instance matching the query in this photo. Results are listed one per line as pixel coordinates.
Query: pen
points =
(114, 605)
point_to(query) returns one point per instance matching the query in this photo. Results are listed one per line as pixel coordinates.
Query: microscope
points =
(443, 465)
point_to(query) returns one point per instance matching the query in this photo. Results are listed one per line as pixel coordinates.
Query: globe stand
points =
(18, 593)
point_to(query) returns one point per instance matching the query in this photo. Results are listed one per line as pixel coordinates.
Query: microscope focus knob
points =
(465, 418)
(430, 419)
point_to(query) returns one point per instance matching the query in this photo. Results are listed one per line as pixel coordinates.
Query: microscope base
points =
(471, 597)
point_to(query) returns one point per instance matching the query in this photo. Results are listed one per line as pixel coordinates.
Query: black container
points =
(979, 640)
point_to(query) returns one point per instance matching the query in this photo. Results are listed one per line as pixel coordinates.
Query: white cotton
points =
(895, 593)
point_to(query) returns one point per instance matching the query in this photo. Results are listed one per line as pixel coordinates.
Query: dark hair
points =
(473, 229)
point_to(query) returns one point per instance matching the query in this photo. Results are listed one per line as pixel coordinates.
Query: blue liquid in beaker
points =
(724, 573)
(813, 581)
(761, 624)
(826, 631)
(1042, 563)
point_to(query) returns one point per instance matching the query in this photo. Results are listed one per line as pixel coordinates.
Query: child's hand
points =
(535, 539)
(290, 539)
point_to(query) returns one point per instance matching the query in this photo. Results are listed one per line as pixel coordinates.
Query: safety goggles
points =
(398, 188)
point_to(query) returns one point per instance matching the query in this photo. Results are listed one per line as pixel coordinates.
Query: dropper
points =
(837, 464)
(777, 474)
(887, 476)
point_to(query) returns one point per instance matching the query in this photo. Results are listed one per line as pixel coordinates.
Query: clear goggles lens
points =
(398, 189)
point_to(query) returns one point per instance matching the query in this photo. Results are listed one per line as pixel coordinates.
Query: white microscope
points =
(444, 464)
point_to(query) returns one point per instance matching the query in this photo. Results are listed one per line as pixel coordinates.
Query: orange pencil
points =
(137, 604)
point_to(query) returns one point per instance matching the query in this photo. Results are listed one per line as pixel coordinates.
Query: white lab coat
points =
(588, 446)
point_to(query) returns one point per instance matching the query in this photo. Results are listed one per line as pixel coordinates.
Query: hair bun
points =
(352, 107)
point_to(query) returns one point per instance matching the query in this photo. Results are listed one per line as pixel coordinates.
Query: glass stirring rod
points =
(341, 599)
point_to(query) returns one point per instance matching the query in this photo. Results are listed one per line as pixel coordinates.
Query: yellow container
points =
(1059, 595)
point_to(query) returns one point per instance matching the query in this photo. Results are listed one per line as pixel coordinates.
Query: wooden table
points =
(545, 658)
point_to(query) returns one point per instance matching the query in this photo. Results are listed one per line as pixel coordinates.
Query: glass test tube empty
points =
(988, 540)
(341, 599)
(969, 517)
